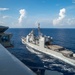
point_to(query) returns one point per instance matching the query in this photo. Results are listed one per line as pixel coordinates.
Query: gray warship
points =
(43, 43)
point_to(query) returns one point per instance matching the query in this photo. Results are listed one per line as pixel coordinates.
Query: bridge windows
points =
(5, 38)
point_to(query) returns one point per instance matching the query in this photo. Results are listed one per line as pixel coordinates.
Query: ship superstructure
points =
(5, 37)
(43, 43)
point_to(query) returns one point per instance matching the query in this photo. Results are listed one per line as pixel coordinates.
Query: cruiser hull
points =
(55, 54)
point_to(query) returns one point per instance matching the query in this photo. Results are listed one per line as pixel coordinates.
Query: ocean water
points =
(62, 37)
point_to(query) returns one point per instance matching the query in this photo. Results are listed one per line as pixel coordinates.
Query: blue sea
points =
(62, 37)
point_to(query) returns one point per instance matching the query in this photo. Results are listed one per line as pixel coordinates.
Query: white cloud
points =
(22, 15)
(4, 17)
(3, 9)
(60, 18)
(1, 23)
(70, 21)
(67, 22)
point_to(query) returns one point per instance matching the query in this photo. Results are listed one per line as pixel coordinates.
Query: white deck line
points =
(10, 65)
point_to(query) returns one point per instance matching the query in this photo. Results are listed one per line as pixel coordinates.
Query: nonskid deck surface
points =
(62, 50)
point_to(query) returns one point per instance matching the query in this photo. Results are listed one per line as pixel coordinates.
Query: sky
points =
(28, 13)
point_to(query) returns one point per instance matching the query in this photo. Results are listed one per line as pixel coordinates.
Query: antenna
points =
(39, 33)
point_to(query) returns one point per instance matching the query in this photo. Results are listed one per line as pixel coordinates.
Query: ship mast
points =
(39, 33)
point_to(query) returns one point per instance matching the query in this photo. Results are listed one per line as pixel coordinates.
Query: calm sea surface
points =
(63, 37)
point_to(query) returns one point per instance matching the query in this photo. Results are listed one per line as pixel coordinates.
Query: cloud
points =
(60, 18)
(70, 21)
(4, 17)
(3, 9)
(22, 15)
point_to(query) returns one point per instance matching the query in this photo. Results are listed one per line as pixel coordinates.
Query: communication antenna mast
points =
(39, 33)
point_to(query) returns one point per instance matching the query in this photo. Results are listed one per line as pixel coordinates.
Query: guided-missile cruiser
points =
(43, 44)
